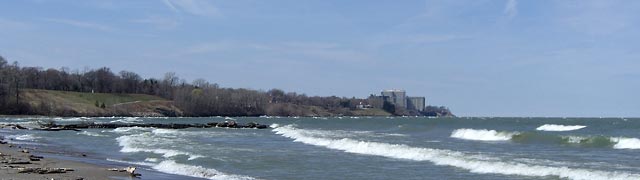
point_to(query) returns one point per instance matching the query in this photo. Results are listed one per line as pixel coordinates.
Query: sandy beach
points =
(16, 159)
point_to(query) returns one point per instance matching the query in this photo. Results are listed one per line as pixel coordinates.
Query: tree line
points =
(196, 98)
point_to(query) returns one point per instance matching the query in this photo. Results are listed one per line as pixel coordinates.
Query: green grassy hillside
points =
(106, 98)
(65, 103)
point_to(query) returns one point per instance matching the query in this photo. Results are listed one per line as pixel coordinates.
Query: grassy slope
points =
(66, 103)
(84, 103)
(107, 99)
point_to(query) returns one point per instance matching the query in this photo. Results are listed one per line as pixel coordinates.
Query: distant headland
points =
(101, 92)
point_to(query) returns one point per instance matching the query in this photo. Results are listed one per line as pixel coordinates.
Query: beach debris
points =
(16, 162)
(25, 151)
(131, 170)
(44, 170)
(35, 158)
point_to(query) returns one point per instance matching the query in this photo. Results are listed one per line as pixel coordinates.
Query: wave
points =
(556, 127)
(447, 157)
(130, 145)
(70, 119)
(533, 137)
(95, 134)
(24, 137)
(132, 162)
(130, 129)
(173, 167)
(626, 143)
(127, 120)
(482, 135)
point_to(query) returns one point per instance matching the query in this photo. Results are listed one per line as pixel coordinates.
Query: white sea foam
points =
(556, 127)
(152, 159)
(92, 134)
(130, 129)
(626, 143)
(575, 139)
(165, 131)
(195, 171)
(482, 135)
(72, 119)
(127, 120)
(132, 162)
(24, 137)
(448, 158)
(131, 143)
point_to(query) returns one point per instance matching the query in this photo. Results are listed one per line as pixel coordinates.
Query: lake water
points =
(361, 147)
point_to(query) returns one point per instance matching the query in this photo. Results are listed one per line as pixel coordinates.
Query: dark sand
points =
(80, 170)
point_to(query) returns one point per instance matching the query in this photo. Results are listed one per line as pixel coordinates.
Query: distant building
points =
(396, 97)
(362, 105)
(416, 103)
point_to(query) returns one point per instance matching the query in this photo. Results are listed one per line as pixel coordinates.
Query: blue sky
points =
(478, 57)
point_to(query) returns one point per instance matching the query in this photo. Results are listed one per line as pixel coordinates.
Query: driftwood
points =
(131, 170)
(43, 170)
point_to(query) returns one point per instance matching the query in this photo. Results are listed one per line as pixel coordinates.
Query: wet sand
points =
(15, 158)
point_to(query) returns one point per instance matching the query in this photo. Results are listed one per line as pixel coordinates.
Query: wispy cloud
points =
(158, 22)
(193, 7)
(511, 8)
(299, 50)
(12, 24)
(598, 18)
(415, 39)
(82, 24)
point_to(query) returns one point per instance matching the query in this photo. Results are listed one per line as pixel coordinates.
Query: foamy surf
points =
(556, 127)
(95, 134)
(127, 120)
(131, 144)
(448, 158)
(482, 135)
(626, 143)
(25, 137)
(173, 167)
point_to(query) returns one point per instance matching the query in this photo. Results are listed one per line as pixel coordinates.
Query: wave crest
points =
(482, 135)
(172, 167)
(447, 158)
(556, 127)
(626, 143)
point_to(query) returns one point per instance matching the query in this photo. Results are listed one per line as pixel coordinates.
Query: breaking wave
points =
(127, 120)
(482, 135)
(173, 167)
(73, 119)
(626, 143)
(556, 127)
(447, 157)
(24, 137)
(124, 130)
(131, 143)
(91, 134)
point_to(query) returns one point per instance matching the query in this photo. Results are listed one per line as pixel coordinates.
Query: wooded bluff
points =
(101, 92)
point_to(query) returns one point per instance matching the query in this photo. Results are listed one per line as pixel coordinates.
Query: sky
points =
(478, 57)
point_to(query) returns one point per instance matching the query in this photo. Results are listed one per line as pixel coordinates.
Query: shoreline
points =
(17, 157)
(78, 164)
